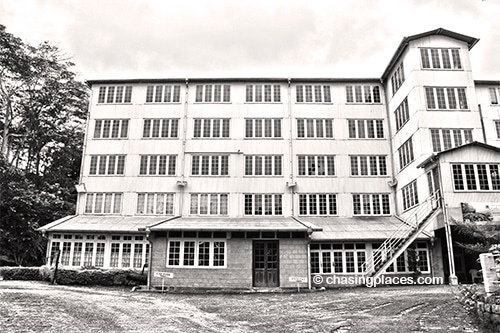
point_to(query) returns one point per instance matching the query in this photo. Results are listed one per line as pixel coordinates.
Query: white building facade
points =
(248, 182)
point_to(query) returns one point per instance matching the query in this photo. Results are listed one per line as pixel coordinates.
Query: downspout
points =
(482, 123)
(290, 184)
(150, 257)
(309, 284)
(183, 152)
(449, 241)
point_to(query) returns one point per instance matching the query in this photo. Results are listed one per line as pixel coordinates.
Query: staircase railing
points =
(399, 241)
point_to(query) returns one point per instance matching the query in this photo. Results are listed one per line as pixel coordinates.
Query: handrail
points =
(399, 237)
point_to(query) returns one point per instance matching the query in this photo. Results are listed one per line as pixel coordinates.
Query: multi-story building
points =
(252, 182)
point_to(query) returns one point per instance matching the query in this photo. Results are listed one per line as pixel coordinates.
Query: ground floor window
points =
(196, 253)
(415, 258)
(91, 250)
(337, 258)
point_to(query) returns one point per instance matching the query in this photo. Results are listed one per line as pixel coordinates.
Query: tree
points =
(42, 118)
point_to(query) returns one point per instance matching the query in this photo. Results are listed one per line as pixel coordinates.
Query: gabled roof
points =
(435, 157)
(471, 41)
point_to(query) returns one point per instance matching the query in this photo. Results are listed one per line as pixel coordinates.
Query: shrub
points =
(83, 277)
(20, 273)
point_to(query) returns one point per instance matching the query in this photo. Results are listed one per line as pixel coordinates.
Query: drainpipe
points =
(150, 256)
(309, 284)
(182, 183)
(482, 123)
(291, 183)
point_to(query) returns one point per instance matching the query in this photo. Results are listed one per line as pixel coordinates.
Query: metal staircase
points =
(399, 241)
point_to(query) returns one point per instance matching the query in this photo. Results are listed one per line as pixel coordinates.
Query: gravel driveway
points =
(38, 307)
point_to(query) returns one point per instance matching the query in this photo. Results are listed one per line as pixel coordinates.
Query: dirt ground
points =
(38, 307)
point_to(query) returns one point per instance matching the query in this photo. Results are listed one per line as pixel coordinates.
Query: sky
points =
(126, 39)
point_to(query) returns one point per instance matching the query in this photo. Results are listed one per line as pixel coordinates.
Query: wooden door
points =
(266, 264)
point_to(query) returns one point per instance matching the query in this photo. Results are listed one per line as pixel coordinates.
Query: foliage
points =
(42, 116)
(20, 273)
(482, 237)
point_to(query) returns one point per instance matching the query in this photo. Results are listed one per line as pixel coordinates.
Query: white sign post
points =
(298, 280)
(163, 275)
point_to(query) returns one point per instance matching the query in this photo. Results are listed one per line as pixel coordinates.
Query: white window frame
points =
(372, 199)
(321, 128)
(397, 78)
(160, 128)
(146, 161)
(164, 94)
(198, 163)
(107, 165)
(213, 93)
(492, 173)
(343, 253)
(435, 57)
(209, 124)
(196, 259)
(440, 136)
(263, 93)
(359, 129)
(310, 202)
(402, 114)
(263, 128)
(310, 165)
(406, 153)
(100, 130)
(441, 102)
(114, 95)
(307, 93)
(358, 161)
(276, 204)
(196, 202)
(115, 201)
(257, 165)
(363, 94)
(150, 203)
(494, 95)
(410, 195)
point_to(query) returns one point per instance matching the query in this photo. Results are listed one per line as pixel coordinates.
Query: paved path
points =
(39, 307)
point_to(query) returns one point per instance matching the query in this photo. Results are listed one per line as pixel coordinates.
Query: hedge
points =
(84, 277)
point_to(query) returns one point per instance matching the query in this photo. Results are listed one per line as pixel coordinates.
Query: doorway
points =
(265, 264)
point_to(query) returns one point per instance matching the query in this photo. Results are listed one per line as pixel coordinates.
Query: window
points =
(406, 153)
(446, 98)
(494, 95)
(111, 128)
(155, 203)
(89, 250)
(315, 128)
(163, 94)
(327, 258)
(362, 94)
(196, 253)
(371, 204)
(313, 94)
(263, 204)
(213, 93)
(115, 94)
(368, 165)
(416, 257)
(160, 128)
(263, 165)
(262, 128)
(410, 195)
(319, 165)
(366, 128)
(103, 203)
(263, 93)
(402, 114)
(397, 78)
(446, 138)
(211, 128)
(434, 58)
(497, 127)
(208, 204)
(476, 177)
(107, 164)
(317, 204)
(158, 165)
(210, 165)
(433, 181)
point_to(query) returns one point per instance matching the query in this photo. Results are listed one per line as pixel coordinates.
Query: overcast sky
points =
(115, 39)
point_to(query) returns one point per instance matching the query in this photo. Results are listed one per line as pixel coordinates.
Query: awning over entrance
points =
(234, 224)
(93, 223)
(354, 228)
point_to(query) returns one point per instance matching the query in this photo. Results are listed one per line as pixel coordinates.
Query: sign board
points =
(297, 279)
(164, 275)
